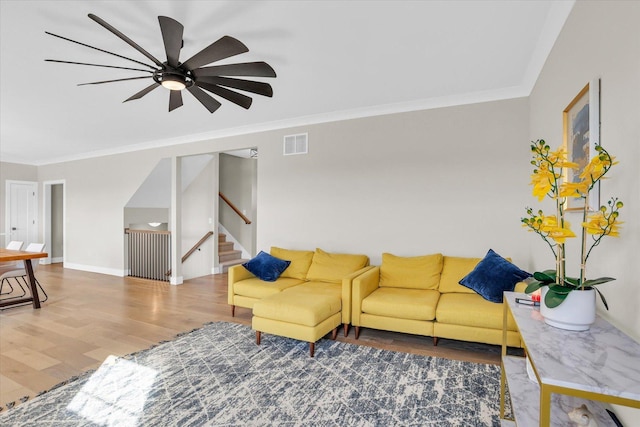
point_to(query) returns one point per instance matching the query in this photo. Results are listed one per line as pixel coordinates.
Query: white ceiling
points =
(334, 59)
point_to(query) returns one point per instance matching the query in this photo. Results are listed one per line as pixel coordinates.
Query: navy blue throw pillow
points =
(266, 267)
(492, 276)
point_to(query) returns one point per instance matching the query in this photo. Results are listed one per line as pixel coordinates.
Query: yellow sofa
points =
(311, 273)
(422, 296)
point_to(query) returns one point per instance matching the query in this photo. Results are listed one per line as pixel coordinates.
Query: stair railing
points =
(193, 249)
(235, 209)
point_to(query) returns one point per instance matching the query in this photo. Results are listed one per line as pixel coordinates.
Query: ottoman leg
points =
(435, 341)
(233, 311)
(257, 337)
(357, 331)
(312, 348)
(346, 329)
(334, 333)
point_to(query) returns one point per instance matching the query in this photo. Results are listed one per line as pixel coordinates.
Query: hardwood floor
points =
(90, 316)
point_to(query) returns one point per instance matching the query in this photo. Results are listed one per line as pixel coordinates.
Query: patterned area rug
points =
(218, 376)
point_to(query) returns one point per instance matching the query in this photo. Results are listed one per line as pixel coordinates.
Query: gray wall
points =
(410, 183)
(442, 180)
(238, 183)
(601, 39)
(197, 219)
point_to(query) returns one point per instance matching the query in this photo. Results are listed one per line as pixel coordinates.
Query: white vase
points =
(576, 313)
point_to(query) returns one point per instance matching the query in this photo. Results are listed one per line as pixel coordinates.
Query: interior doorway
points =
(54, 221)
(21, 211)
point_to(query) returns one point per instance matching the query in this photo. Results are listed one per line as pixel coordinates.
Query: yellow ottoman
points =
(302, 316)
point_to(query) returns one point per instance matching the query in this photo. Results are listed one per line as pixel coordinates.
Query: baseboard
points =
(57, 260)
(176, 280)
(216, 270)
(95, 269)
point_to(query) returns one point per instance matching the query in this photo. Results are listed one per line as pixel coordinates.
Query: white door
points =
(22, 212)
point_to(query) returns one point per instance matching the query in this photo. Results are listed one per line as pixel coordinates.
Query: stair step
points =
(225, 246)
(229, 255)
(226, 264)
(222, 237)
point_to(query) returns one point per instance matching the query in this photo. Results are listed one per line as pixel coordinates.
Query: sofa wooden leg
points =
(435, 341)
(233, 311)
(312, 348)
(257, 337)
(357, 332)
(334, 333)
(346, 329)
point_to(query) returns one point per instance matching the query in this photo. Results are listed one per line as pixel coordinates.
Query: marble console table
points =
(572, 368)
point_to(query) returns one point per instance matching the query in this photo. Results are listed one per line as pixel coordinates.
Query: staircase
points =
(227, 254)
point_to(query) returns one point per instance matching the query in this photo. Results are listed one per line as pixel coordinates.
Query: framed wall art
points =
(581, 134)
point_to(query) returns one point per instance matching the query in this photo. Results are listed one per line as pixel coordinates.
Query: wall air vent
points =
(296, 144)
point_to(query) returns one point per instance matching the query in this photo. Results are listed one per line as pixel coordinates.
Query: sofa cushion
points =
(415, 304)
(266, 267)
(256, 288)
(453, 270)
(471, 310)
(418, 272)
(492, 276)
(320, 288)
(298, 308)
(328, 267)
(300, 262)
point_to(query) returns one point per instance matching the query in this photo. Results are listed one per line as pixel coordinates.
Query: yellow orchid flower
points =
(554, 230)
(559, 159)
(598, 224)
(597, 167)
(542, 181)
(574, 189)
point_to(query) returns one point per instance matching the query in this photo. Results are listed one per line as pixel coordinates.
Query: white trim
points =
(176, 280)
(57, 260)
(376, 110)
(95, 269)
(46, 223)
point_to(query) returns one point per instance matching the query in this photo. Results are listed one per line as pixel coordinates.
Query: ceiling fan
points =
(191, 74)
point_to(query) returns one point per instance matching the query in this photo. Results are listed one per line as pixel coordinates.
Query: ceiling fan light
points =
(173, 82)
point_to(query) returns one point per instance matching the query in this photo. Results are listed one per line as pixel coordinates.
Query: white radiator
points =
(149, 254)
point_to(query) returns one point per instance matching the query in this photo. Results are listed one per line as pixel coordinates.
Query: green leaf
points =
(573, 281)
(553, 299)
(564, 290)
(598, 281)
(604, 301)
(533, 286)
(547, 276)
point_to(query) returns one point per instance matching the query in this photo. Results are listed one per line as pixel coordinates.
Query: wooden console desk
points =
(8, 255)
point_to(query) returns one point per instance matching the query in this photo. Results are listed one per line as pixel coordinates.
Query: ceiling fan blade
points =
(205, 99)
(116, 80)
(247, 85)
(175, 99)
(253, 69)
(143, 92)
(98, 65)
(101, 50)
(235, 97)
(172, 32)
(224, 47)
(125, 39)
